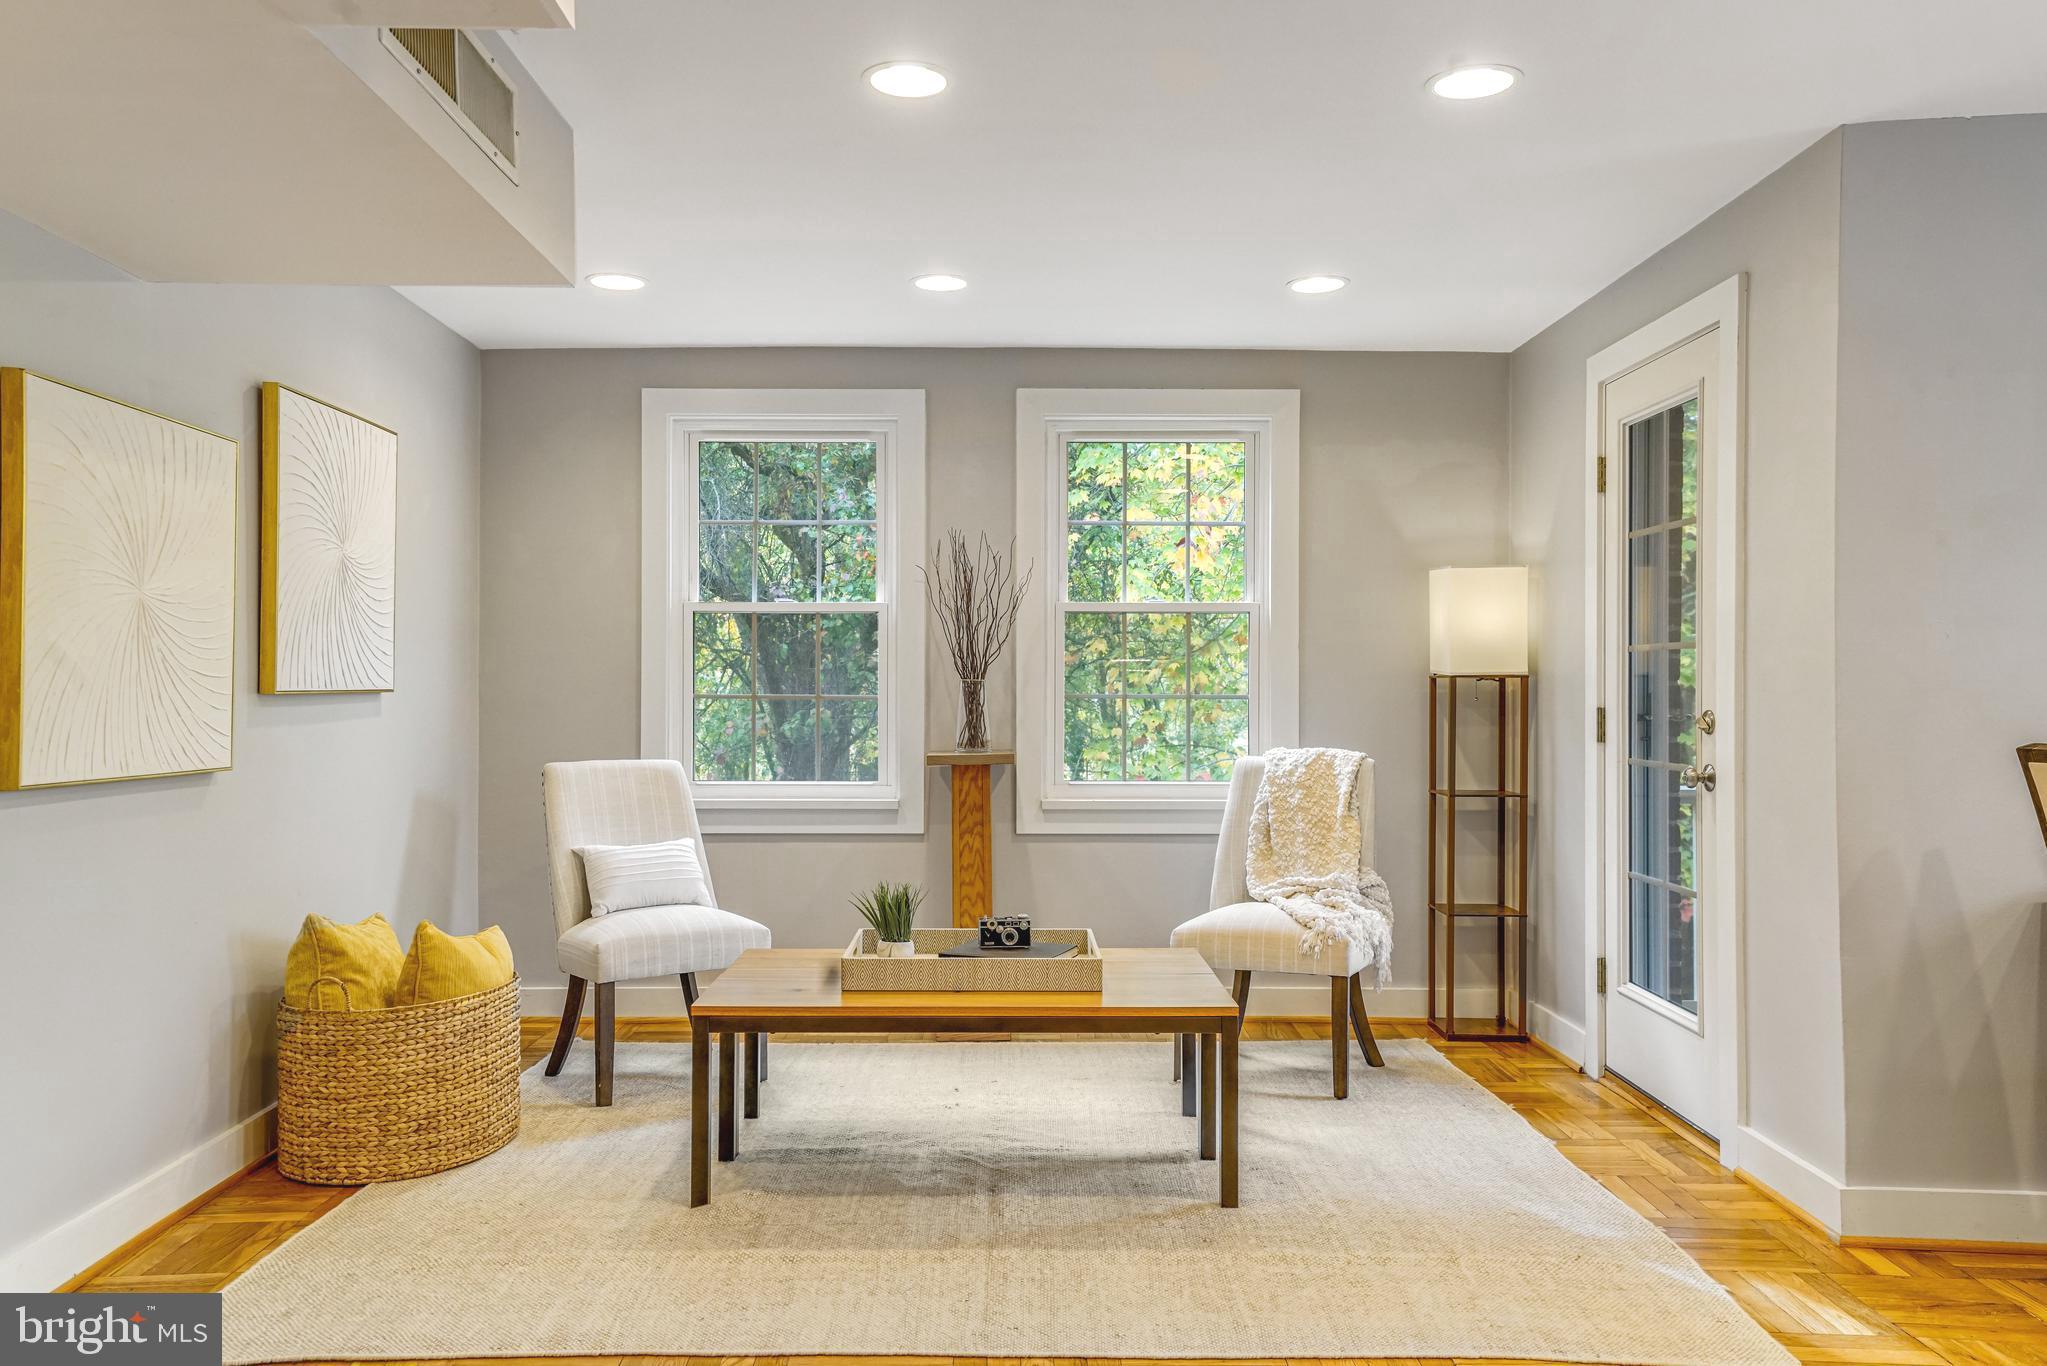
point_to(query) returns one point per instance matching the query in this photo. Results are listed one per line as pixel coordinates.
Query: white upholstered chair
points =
(1244, 936)
(628, 801)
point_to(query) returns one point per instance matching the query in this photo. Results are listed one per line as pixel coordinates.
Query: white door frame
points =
(1723, 308)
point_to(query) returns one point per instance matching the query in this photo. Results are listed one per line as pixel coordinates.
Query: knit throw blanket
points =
(1307, 843)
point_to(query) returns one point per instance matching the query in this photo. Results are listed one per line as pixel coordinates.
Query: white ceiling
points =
(1152, 172)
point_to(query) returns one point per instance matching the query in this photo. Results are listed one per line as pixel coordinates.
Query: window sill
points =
(811, 813)
(723, 801)
(1194, 813)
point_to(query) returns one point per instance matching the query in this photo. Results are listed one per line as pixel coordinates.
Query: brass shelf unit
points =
(1506, 790)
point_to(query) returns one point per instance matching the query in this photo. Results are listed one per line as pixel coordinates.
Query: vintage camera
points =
(1005, 931)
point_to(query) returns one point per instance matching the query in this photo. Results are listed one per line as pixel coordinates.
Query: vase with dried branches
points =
(976, 595)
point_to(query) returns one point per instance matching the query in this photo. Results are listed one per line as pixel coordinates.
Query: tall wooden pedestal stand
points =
(973, 836)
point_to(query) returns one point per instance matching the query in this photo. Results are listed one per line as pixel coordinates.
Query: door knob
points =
(1707, 721)
(1694, 776)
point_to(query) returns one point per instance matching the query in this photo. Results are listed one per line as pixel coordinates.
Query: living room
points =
(1469, 577)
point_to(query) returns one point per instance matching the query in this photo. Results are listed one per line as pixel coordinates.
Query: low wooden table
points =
(1166, 991)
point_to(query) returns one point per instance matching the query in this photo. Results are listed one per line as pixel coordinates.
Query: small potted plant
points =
(891, 908)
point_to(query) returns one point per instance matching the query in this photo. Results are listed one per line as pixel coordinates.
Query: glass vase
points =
(970, 709)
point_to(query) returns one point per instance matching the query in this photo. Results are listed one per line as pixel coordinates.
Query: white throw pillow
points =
(625, 877)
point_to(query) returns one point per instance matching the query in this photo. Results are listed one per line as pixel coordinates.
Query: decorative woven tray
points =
(861, 970)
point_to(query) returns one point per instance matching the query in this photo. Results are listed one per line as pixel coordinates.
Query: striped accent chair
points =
(1244, 936)
(628, 801)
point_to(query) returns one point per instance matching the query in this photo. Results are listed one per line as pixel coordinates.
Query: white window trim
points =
(1269, 420)
(671, 422)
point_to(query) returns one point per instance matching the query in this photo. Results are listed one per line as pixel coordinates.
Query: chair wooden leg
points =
(1190, 1074)
(753, 1075)
(1339, 1035)
(760, 1056)
(1361, 1023)
(1241, 989)
(1176, 1057)
(607, 1008)
(689, 992)
(572, 1015)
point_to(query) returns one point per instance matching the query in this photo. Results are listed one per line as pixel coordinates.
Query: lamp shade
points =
(2033, 758)
(1478, 621)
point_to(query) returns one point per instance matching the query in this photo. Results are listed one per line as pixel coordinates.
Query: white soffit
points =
(1153, 172)
(433, 13)
(219, 140)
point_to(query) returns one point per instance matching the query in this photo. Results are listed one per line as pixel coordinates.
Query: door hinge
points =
(1601, 970)
(1599, 725)
(1602, 474)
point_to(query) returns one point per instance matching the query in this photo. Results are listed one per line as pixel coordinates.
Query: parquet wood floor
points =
(1824, 1302)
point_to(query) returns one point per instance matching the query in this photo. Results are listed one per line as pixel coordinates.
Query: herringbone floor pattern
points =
(1825, 1303)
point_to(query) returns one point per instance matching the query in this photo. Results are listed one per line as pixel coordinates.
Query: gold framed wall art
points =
(329, 547)
(117, 589)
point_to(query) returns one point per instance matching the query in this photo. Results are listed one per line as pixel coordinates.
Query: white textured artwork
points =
(330, 527)
(123, 557)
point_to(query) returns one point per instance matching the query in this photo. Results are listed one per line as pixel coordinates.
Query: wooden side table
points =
(973, 836)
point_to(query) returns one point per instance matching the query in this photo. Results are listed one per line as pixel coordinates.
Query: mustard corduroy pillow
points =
(442, 966)
(342, 967)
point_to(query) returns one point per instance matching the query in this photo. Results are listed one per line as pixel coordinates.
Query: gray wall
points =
(1402, 470)
(1785, 234)
(1942, 649)
(147, 921)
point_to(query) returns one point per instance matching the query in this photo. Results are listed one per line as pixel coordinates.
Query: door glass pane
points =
(1661, 925)
(1663, 816)
(1663, 574)
(1662, 647)
(1663, 698)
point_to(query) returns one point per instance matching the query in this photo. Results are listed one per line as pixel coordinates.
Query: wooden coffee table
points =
(1165, 991)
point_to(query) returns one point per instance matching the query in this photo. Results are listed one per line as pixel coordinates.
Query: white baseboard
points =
(1790, 1176)
(1902, 1212)
(1279, 996)
(1566, 1036)
(54, 1257)
(1972, 1216)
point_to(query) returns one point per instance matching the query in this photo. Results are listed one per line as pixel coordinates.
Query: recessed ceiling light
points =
(939, 284)
(906, 80)
(1317, 284)
(1473, 82)
(614, 279)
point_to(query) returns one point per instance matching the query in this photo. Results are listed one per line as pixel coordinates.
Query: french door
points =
(1667, 594)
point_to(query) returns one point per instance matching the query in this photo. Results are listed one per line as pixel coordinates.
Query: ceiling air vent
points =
(468, 85)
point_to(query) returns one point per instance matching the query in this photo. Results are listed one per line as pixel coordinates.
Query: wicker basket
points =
(382, 1095)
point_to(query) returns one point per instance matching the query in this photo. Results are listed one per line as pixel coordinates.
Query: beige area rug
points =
(1019, 1200)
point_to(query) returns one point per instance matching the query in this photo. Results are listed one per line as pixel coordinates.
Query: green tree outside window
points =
(1161, 695)
(791, 694)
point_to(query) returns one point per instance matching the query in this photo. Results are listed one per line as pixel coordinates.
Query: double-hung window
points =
(783, 666)
(1165, 646)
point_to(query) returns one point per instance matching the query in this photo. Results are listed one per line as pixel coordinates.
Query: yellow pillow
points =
(442, 966)
(342, 967)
